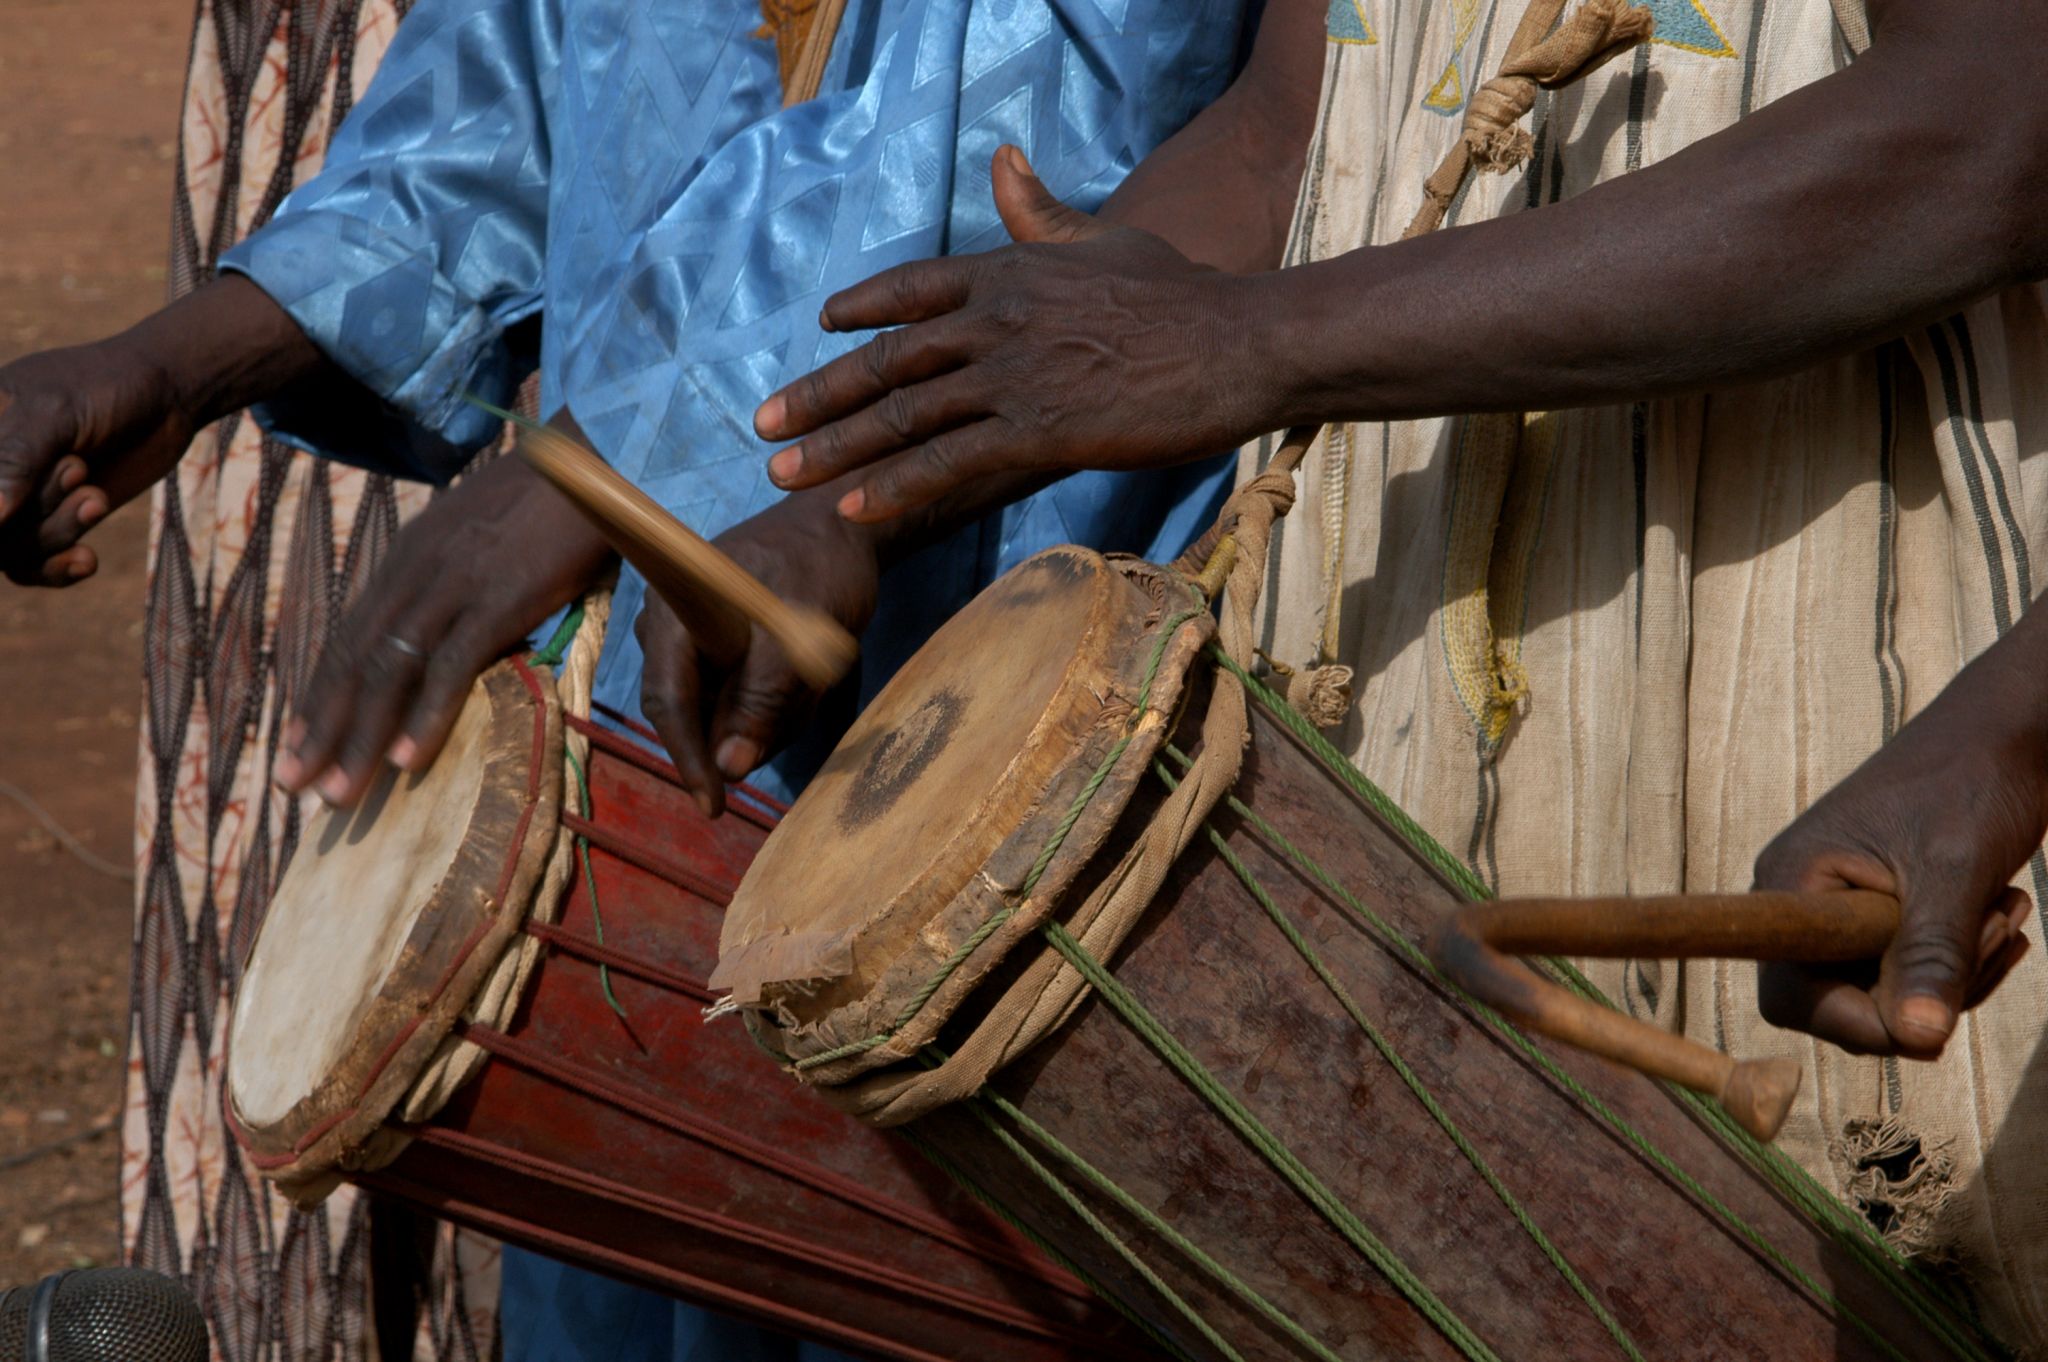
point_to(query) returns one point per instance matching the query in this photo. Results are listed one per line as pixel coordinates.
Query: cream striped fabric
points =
(1618, 649)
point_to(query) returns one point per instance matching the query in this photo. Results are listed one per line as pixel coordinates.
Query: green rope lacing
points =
(1905, 1281)
(604, 971)
(932, 1057)
(1038, 1241)
(1151, 1219)
(1038, 867)
(550, 655)
(1414, 1082)
(1284, 1161)
(1108, 1236)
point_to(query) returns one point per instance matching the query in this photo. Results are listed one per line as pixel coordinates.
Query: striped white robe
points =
(1719, 605)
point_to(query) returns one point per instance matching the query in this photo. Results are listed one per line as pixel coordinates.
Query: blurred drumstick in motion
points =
(720, 600)
(1476, 947)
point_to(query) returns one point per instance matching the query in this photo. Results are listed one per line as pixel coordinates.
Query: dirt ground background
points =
(89, 95)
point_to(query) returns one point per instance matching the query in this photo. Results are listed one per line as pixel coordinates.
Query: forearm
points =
(1844, 214)
(1222, 189)
(223, 347)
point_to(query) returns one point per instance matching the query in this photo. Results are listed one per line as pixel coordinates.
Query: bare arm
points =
(1869, 202)
(121, 412)
(1221, 190)
(1841, 215)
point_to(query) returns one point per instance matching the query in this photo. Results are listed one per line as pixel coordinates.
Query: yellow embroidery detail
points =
(1346, 23)
(1448, 94)
(1686, 25)
(1502, 471)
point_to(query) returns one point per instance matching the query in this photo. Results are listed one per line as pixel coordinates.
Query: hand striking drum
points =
(1218, 1132)
(546, 898)
(1121, 957)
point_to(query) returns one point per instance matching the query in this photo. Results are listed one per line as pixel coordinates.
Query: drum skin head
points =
(980, 735)
(387, 919)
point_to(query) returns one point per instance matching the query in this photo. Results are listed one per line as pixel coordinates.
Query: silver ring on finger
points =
(410, 649)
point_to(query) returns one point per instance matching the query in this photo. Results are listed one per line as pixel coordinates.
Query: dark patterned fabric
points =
(255, 551)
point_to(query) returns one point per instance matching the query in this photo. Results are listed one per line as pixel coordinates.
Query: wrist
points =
(2016, 671)
(1267, 346)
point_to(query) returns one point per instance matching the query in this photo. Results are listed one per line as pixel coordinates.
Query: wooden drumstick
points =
(1476, 947)
(716, 597)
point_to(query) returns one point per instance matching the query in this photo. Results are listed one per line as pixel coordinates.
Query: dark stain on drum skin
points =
(900, 758)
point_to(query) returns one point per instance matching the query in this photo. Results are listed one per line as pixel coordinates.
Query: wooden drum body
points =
(636, 1140)
(1643, 1229)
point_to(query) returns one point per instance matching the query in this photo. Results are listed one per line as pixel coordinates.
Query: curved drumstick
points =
(1476, 945)
(716, 597)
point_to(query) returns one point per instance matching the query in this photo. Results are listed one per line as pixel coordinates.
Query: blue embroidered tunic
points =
(629, 161)
(621, 173)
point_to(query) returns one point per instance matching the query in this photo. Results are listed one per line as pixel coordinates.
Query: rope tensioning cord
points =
(1930, 1304)
(1340, 1216)
(1897, 1276)
(1408, 1076)
(550, 655)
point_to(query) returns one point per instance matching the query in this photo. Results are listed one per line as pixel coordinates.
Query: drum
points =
(451, 1003)
(1148, 967)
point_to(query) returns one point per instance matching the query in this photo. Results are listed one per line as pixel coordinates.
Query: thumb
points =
(1927, 971)
(1030, 210)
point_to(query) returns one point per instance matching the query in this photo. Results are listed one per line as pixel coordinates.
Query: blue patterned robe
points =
(629, 159)
(621, 172)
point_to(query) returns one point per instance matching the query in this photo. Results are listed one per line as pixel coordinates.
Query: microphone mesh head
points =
(109, 1313)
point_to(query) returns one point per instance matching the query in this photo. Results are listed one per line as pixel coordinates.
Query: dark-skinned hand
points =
(61, 411)
(1943, 816)
(467, 580)
(85, 429)
(1086, 345)
(721, 717)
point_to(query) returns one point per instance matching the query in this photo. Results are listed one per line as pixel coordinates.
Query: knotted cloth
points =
(1494, 138)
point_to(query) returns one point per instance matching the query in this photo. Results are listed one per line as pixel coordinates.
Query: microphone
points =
(102, 1314)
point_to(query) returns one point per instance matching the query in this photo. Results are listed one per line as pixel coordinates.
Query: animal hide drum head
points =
(933, 808)
(385, 920)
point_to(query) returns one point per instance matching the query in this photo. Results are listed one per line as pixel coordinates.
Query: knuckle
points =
(826, 446)
(942, 461)
(906, 288)
(897, 414)
(450, 671)
(1931, 952)
(881, 355)
(1946, 858)
(1009, 311)
(810, 395)
(656, 696)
